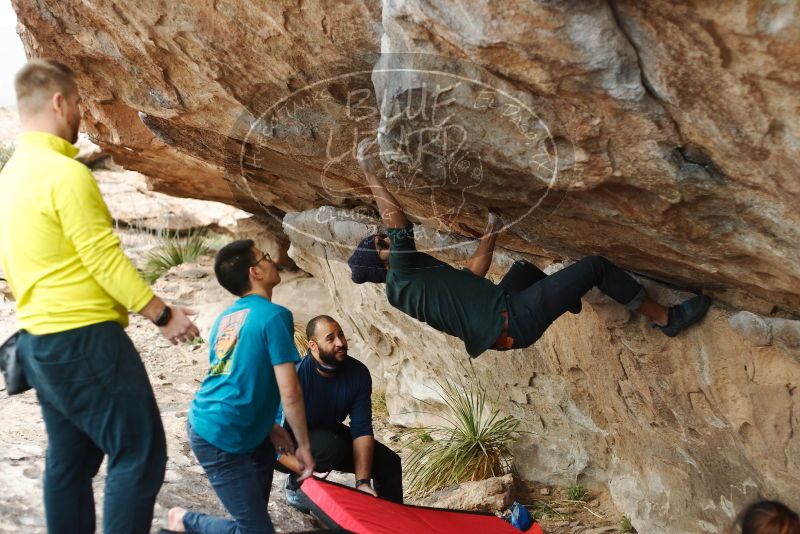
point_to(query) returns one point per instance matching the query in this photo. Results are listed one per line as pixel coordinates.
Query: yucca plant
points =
(474, 444)
(172, 250)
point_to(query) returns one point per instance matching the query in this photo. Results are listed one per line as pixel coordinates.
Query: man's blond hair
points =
(38, 81)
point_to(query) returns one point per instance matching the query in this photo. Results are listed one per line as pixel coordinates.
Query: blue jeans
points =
(242, 482)
(96, 400)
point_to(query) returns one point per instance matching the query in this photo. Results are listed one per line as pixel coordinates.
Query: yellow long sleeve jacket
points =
(62, 260)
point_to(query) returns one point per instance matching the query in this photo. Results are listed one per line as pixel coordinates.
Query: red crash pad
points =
(350, 509)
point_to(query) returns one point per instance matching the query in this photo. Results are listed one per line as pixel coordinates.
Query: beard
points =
(330, 360)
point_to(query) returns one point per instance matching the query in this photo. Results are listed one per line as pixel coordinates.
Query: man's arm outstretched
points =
(390, 209)
(481, 260)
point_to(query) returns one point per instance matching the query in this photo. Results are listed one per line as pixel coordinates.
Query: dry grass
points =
(379, 409)
(300, 339)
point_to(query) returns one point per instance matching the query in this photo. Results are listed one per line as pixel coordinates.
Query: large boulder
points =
(663, 135)
(682, 431)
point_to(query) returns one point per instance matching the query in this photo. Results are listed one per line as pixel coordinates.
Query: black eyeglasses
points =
(264, 257)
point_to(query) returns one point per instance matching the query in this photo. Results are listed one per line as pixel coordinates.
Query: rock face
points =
(684, 431)
(490, 495)
(665, 135)
(662, 135)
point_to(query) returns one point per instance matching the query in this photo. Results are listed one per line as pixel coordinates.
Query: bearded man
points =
(335, 386)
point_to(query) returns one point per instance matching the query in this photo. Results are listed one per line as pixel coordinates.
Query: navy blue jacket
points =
(330, 399)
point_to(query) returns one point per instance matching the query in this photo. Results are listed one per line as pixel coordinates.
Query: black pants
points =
(96, 400)
(333, 451)
(535, 300)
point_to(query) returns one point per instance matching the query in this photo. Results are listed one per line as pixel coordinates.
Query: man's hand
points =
(180, 328)
(493, 224)
(390, 209)
(306, 462)
(366, 488)
(370, 163)
(282, 440)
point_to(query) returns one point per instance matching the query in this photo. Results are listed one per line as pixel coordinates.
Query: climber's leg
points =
(524, 274)
(532, 311)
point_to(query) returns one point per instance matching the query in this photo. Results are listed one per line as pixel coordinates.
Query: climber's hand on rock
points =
(493, 223)
(370, 163)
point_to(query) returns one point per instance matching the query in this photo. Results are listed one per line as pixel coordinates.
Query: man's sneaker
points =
(294, 496)
(682, 316)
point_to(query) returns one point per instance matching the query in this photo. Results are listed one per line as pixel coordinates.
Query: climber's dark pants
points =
(535, 300)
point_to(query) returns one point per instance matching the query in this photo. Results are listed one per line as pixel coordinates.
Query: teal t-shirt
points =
(235, 407)
(453, 301)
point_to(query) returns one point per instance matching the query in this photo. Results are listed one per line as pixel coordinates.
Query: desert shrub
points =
(473, 444)
(172, 250)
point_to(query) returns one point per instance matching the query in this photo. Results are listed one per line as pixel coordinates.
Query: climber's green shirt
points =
(454, 301)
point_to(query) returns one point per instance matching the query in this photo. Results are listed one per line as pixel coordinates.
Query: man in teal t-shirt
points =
(228, 410)
(231, 419)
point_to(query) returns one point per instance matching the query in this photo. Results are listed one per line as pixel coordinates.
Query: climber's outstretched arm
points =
(391, 210)
(481, 260)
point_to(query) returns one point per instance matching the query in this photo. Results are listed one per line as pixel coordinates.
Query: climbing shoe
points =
(294, 495)
(682, 316)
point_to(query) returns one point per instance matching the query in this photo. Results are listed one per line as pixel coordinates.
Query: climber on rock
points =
(486, 316)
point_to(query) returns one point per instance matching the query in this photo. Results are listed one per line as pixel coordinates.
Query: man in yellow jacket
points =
(74, 286)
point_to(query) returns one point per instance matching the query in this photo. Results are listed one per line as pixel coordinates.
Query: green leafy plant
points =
(5, 154)
(173, 250)
(576, 492)
(474, 443)
(625, 525)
